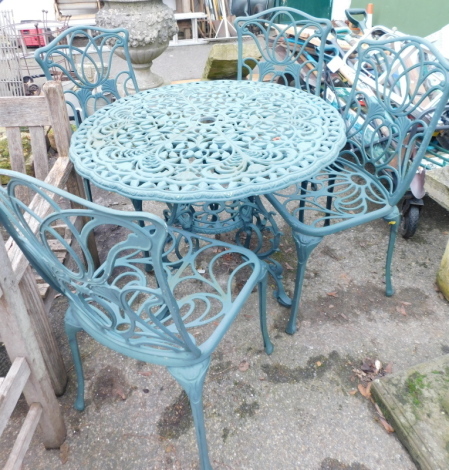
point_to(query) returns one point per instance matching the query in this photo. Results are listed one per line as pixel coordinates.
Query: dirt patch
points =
(343, 305)
(247, 410)
(334, 464)
(176, 419)
(109, 386)
(316, 366)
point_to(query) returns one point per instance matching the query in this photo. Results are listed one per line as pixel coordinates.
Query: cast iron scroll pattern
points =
(207, 141)
(387, 137)
(284, 47)
(139, 313)
(174, 317)
(84, 56)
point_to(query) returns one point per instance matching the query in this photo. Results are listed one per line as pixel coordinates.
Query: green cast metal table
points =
(209, 150)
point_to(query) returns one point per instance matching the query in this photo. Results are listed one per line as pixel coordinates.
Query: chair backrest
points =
(82, 57)
(117, 302)
(387, 131)
(282, 45)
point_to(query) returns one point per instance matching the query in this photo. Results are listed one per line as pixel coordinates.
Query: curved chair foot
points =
(71, 331)
(262, 289)
(393, 220)
(304, 247)
(191, 379)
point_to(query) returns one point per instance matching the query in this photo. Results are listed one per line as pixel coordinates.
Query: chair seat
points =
(340, 196)
(209, 295)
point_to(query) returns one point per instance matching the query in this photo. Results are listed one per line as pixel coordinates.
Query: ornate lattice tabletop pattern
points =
(207, 141)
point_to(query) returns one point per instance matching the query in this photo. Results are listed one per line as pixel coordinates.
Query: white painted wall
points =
(339, 7)
(29, 9)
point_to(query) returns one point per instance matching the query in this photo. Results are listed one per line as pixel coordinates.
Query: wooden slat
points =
(59, 117)
(40, 155)
(16, 158)
(76, 187)
(15, 148)
(20, 341)
(43, 331)
(11, 388)
(24, 438)
(24, 111)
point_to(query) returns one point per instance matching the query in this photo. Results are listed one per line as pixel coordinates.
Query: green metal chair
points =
(386, 140)
(288, 47)
(174, 317)
(83, 56)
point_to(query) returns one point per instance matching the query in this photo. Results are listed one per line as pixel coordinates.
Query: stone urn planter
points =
(150, 23)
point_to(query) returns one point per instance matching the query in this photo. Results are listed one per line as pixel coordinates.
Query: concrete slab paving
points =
(296, 409)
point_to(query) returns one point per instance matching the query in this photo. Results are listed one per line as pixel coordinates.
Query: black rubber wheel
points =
(409, 222)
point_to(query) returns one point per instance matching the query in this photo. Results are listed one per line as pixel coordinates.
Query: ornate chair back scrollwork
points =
(83, 57)
(174, 317)
(386, 140)
(288, 47)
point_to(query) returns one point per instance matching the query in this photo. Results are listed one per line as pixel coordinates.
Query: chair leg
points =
(87, 189)
(191, 379)
(393, 220)
(302, 202)
(71, 331)
(262, 288)
(329, 198)
(304, 246)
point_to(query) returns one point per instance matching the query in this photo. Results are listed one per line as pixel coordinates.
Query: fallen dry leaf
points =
(400, 309)
(318, 363)
(387, 426)
(365, 391)
(388, 369)
(352, 392)
(243, 366)
(64, 452)
(146, 374)
(287, 266)
(368, 366)
(405, 303)
(332, 294)
(119, 391)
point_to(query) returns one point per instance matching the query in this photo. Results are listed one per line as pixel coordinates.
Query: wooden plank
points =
(15, 148)
(39, 149)
(20, 341)
(24, 438)
(59, 116)
(75, 186)
(11, 389)
(16, 157)
(24, 111)
(44, 332)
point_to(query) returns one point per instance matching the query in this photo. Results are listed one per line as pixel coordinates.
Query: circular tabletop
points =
(207, 141)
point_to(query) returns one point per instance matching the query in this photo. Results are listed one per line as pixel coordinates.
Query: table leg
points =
(257, 224)
(255, 229)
